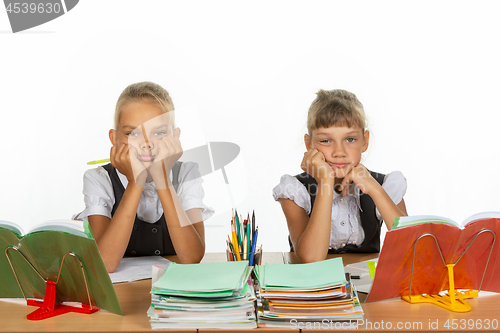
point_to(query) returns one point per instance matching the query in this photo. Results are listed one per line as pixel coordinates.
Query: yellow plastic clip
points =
(452, 300)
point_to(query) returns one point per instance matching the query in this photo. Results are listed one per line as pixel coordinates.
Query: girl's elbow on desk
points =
(194, 258)
(309, 257)
(111, 266)
(192, 255)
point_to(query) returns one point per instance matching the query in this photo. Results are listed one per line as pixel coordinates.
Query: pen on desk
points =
(106, 160)
(355, 277)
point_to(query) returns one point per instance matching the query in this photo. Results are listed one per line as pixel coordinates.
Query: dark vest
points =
(147, 238)
(369, 222)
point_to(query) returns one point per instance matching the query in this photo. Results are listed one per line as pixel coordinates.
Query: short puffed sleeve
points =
(190, 191)
(98, 194)
(290, 188)
(395, 186)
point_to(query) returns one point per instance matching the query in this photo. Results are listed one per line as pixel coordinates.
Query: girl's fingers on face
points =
(118, 153)
(173, 144)
(345, 189)
(112, 154)
(178, 144)
(132, 152)
(119, 149)
(311, 154)
(307, 161)
(319, 153)
(344, 186)
(164, 144)
(124, 152)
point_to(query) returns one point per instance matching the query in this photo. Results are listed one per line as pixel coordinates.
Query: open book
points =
(68, 226)
(42, 250)
(477, 268)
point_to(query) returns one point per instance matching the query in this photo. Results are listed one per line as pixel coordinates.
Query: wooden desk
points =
(267, 257)
(396, 314)
(390, 315)
(347, 258)
(134, 298)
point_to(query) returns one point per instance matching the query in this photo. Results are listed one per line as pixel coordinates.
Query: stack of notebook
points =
(212, 295)
(288, 295)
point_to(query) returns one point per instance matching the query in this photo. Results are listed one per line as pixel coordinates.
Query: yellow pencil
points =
(235, 243)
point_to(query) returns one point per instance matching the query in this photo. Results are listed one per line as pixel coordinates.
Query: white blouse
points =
(346, 223)
(99, 197)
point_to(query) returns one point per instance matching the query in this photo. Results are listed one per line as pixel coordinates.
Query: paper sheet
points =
(364, 283)
(137, 268)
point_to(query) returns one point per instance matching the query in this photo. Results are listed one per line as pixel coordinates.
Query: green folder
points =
(218, 277)
(303, 276)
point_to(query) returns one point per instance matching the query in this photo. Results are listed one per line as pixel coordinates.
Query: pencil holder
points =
(254, 258)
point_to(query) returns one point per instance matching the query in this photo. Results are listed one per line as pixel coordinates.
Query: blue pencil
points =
(254, 244)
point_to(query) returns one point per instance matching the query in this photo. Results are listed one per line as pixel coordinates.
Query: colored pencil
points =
(106, 160)
(231, 248)
(249, 241)
(249, 222)
(229, 254)
(238, 229)
(242, 242)
(244, 250)
(235, 243)
(253, 222)
(254, 244)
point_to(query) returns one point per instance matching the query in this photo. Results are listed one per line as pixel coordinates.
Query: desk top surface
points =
(134, 297)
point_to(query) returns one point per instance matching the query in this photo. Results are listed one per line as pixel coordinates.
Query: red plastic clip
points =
(49, 308)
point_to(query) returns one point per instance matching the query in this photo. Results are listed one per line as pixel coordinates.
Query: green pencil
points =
(249, 241)
(238, 229)
(106, 160)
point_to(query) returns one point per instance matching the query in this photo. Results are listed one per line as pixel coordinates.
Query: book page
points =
(476, 255)
(480, 216)
(12, 227)
(68, 226)
(406, 221)
(360, 275)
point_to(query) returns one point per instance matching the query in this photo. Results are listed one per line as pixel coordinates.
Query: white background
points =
(427, 73)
